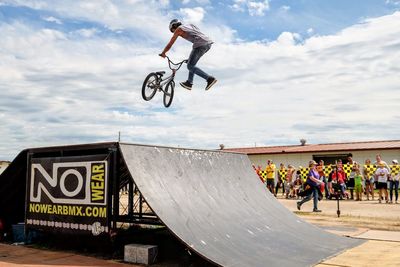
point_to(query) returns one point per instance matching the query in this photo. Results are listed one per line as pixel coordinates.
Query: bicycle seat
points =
(160, 72)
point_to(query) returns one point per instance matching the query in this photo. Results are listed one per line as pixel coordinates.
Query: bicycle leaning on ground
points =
(154, 82)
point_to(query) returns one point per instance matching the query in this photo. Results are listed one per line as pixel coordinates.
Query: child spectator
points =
(382, 174)
(297, 185)
(337, 178)
(358, 183)
(289, 181)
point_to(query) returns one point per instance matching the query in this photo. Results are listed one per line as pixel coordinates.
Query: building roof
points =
(334, 147)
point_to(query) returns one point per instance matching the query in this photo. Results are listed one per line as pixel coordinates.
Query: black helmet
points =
(175, 23)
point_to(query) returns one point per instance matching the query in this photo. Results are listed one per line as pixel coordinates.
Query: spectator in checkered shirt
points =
(258, 170)
(369, 179)
(281, 179)
(350, 181)
(323, 177)
(394, 181)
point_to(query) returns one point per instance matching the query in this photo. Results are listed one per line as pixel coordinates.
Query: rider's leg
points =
(194, 57)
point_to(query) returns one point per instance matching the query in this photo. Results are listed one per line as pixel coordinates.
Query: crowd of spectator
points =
(352, 180)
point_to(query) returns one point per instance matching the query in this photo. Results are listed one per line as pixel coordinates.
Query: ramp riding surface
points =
(215, 203)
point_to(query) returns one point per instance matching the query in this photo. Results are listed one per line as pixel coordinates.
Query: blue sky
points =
(71, 72)
(324, 17)
(265, 22)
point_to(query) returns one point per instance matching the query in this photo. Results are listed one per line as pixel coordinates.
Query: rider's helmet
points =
(175, 23)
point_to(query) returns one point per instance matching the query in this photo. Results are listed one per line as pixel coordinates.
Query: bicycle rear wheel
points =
(150, 86)
(169, 93)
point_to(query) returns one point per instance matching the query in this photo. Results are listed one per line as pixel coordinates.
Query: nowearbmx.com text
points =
(68, 210)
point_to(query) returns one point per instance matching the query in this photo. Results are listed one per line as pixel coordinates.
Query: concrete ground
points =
(378, 224)
(28, 257)
(361, 214)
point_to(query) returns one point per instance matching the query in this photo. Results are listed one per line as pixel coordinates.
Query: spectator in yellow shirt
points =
(270, 173)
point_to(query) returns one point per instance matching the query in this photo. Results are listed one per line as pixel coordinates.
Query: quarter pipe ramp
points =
(215, 203)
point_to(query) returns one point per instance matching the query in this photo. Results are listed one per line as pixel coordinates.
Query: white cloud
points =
(202, 2)
(255, 8)
(288, 38)
(164, 3)
(192, 15)
(87, 33)
(53, 19)
(36, 4)
(133, 14)
(393, 2)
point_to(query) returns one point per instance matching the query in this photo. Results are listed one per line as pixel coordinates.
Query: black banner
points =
(68, 194)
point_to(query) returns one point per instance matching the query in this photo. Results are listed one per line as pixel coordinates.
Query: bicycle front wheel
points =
(150, 86)
(169, 93)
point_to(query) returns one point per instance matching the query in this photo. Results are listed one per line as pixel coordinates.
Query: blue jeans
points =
(314, 195)
(394, 185)
(194, 57)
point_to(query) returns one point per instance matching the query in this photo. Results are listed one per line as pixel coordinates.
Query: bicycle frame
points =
(174, 67)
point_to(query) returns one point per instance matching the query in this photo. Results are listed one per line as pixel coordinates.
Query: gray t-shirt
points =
(195, 36)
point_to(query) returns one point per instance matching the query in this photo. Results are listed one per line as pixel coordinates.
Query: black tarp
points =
(12, 190)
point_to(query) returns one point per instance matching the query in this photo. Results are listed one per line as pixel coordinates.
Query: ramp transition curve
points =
(215, 203)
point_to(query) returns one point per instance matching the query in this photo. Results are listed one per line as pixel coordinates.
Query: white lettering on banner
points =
(55, 181)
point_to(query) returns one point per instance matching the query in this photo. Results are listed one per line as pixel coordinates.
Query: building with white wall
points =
(300, 155)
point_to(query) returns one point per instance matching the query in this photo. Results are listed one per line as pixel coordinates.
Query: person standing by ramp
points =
(382, 175)
(270, 171)
(313, 182)
(201, 44)
(394, 180)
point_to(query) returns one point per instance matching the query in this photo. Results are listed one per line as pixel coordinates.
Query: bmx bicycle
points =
(155, 82)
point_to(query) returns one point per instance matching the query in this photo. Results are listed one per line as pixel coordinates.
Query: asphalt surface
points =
(365, 219)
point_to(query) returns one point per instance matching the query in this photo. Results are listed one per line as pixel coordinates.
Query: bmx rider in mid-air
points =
(201, 44)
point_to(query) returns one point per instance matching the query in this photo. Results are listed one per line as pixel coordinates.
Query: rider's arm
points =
(178, 32)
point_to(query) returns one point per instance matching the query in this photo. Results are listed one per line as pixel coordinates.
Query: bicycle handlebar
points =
(179, 64)
(176, 64)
